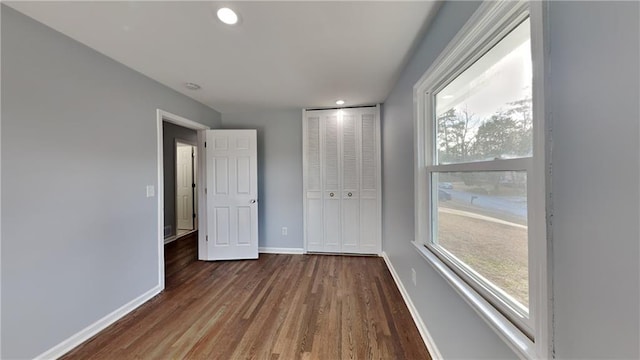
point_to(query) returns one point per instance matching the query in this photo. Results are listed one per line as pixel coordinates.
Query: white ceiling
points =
(281, 55)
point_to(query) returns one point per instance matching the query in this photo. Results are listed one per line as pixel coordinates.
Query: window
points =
(480, 213)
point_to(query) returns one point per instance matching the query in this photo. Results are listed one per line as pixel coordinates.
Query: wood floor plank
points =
(278, 307)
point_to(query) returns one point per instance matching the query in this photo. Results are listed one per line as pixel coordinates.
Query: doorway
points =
(172, 130)
(179, 182)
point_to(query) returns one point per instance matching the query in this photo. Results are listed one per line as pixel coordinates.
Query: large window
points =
(481, 118)
(481, 195)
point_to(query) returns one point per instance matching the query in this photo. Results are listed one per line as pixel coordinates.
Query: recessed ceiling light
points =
(340, 102)
(227, 16)
(192, 86)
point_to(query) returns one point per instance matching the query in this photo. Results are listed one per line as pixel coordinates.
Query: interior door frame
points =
(162, 116)
(194, 220)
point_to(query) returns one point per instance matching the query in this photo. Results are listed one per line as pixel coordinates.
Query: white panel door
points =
(232, 194)
(184, 186)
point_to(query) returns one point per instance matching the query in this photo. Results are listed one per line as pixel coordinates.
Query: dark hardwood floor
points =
(276, 307)
(179, 254)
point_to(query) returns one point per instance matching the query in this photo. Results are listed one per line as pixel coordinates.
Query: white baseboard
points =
(272, 250)
(83, 335)
(169, 239)
(426, 337)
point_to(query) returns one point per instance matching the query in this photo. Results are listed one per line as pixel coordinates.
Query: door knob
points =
(331, 194)
(253, 201)
(349, 194)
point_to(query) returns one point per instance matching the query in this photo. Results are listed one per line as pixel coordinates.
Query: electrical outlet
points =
(413, 276)
(284, 231)
(151, 192)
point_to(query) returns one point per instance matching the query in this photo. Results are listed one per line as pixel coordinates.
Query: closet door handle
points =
(253, 201)
(349, 194)
(331, 194)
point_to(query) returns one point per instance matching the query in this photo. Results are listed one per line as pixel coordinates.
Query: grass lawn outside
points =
(496, 249)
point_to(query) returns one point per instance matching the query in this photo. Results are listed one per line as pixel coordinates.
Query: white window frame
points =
(531, 339)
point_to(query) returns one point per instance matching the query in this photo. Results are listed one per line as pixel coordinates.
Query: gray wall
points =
(279, 173)
(171, 133)
(594, 108)
(79, 235)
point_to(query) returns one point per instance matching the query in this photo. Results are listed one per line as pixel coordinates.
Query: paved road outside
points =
(510, 205)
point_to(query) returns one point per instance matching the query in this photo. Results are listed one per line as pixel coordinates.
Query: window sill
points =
(513, 337)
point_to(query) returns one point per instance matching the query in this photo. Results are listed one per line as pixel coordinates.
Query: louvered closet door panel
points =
(313, 184)
(331, 184)
(369, 202)
(350, 182)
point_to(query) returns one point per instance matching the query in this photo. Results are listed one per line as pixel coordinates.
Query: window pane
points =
(485, 113)
(481, 219)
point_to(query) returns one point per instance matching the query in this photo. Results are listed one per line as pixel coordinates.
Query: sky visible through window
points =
(486, 112)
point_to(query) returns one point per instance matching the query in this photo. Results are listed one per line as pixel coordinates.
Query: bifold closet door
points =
(370, 238)
(342, 180)
(331, 184)
(314, 220)
(350, 182)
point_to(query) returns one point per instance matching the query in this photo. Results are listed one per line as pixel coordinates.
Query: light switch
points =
(151, 192)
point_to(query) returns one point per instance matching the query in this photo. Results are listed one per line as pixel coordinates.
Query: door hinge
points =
(207, 237)
(194, 215)
(205, 191)
(205, 144)
(193, 185)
